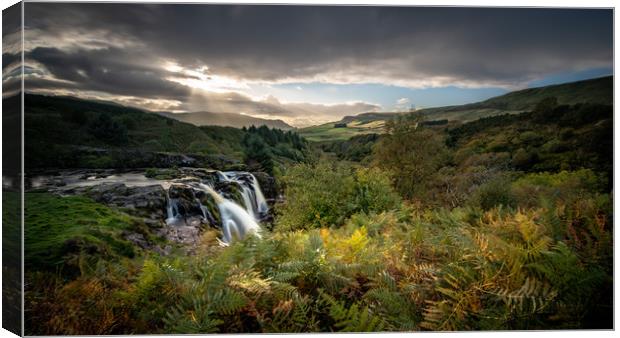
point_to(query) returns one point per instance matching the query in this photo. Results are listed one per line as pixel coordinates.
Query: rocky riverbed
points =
(170, 202)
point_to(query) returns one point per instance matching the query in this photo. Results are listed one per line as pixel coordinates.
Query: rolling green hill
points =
(596, 91)
(66, 132)
(599, 91)
(204, 118)
(328, 131)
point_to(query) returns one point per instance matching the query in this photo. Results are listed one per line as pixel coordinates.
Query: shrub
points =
(564, 186)
(522, 159)
(327, 194)
(494, 193)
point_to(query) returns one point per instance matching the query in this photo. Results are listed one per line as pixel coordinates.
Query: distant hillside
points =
(58, 127)
(368, 117)
(67, 132)
(225, 120)
(362, 124)
(599, 90)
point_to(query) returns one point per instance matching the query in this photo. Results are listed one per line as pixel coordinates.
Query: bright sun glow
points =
(201, 79)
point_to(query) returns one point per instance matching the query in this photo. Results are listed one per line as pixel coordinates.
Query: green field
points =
(327, 131)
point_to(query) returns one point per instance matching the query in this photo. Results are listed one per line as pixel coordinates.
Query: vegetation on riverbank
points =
(544, 266)
(501, 223)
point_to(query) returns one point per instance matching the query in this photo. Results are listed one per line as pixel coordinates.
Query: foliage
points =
(326, 194)
(357, 148)
(108, 130)
(503, 223)
(408, 269)
(257, 154)
(411, 154)
(56, 127)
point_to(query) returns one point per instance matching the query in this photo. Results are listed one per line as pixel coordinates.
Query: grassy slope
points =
(63, 120)
(11, 261)
(226, 120)
(53, 125)
(60, 229)
(598, 90)
(327, 132)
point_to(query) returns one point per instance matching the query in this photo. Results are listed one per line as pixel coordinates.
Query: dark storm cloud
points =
(499, 46)
(9, 59)
(108, 70)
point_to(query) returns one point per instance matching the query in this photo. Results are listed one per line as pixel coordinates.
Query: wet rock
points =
(230, 191)
(187, 233)
(211, 211)
(185, 200)
(204, 175)
(148, 201)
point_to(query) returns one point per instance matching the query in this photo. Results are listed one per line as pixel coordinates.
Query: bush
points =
(327, 194)
(494, 193)
(522, 159)
(564, 186)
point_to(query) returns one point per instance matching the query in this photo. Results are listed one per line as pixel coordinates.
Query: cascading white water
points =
(235, 220)
(261, 203)
(252, 195)
(171, 209)
(222, 176)
(246, 192)
(247, 200)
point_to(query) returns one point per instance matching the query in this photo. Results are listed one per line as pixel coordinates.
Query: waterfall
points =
(261, 203)
(253, 197)
(171, 210)
(222, 176)
(247, 200)
(235, 220)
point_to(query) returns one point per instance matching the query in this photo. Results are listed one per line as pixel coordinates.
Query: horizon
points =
(321, 123)
(330, 62)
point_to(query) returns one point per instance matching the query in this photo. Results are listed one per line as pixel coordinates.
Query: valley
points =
(437, 219)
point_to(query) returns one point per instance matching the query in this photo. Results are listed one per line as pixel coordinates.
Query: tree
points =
(411, 153)
(108, 130)
(257, 153)
(544, 110)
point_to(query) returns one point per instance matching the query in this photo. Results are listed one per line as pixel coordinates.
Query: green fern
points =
(353, 318)
(198, 318)
(533, 296)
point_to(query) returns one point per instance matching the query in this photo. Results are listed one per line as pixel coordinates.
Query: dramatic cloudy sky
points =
(306, 64)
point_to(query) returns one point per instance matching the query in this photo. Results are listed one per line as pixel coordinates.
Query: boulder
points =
(148, 201)
(187, 232)
(185, 200)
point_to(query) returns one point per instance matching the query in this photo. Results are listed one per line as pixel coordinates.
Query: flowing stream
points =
(183, 198)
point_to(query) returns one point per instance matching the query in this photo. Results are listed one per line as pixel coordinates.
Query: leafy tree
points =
(257, 153)
(108, 130)
(411, 154)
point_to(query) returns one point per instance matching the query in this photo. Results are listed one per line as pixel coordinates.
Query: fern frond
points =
(353, 318)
